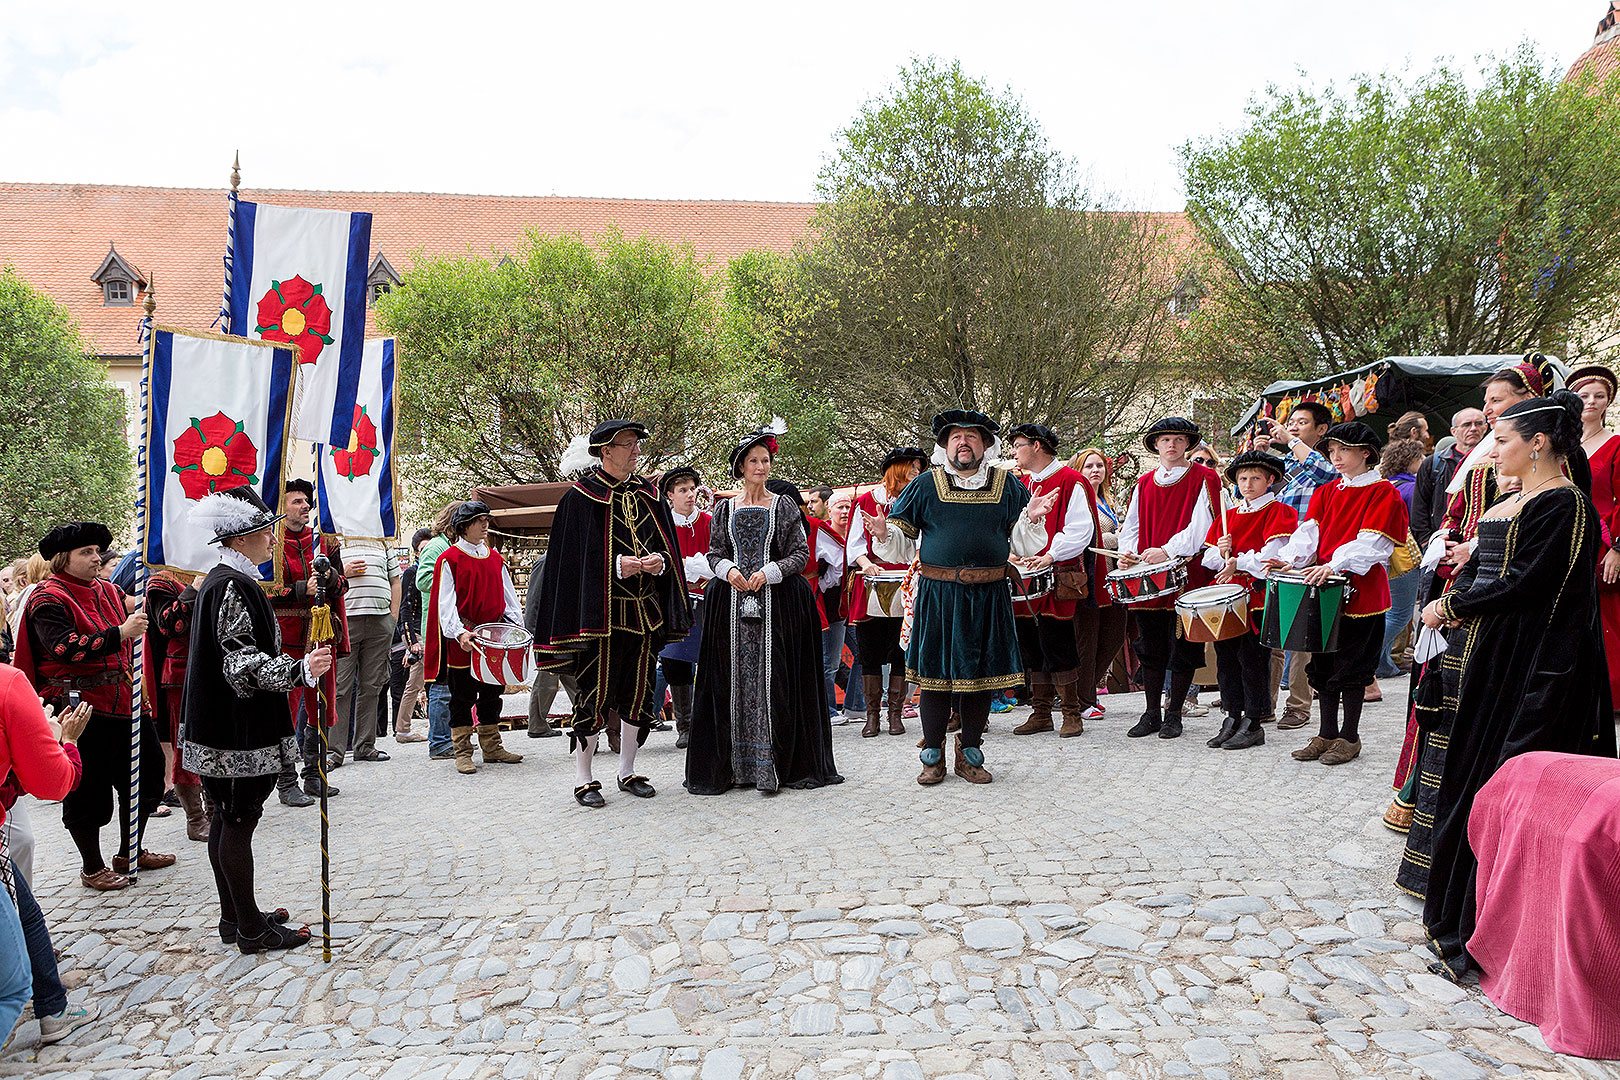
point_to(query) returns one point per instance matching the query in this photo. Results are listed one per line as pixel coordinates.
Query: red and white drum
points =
(884, 599)
(503, 655)
(1146, 581)
(1214, 613)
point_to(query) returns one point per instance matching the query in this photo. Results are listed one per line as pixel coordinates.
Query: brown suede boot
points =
(461, 741)
(897, 704)
(872, 687)
(969, 770)
(191, 800)
(1040, 707)
(489, 741)
(1073, 714)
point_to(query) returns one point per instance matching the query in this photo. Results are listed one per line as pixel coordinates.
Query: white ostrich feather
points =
(578, 457)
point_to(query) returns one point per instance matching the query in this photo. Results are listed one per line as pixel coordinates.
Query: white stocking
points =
(627, 748)
(582, 762)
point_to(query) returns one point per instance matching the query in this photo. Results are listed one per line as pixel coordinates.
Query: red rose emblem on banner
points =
(355, 460)
(295, 311)
(214, 455)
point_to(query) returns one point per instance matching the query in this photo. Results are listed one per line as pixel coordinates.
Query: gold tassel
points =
(320, 624)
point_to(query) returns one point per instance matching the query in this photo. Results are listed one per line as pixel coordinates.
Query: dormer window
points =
(381, 278)
(1188, 294)
(119, 280)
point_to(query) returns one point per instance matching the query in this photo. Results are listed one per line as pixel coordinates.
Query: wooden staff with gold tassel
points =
(321, 633)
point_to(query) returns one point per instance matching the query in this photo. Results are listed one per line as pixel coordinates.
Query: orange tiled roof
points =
(58, 234)
(1604, 56)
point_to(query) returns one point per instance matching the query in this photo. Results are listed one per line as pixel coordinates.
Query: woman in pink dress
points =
(1596, 385)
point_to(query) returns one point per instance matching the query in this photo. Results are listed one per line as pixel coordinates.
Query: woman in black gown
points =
(759, 715)
(1525, 668)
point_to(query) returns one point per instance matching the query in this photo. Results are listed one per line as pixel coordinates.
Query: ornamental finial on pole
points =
(149, 305)
(236, 171)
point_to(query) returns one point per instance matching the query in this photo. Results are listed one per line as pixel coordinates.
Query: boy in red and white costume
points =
(677, 663)
(1046, 637)
(1241, 540)
(1351, 528)
(1171, 508)
(471, 586)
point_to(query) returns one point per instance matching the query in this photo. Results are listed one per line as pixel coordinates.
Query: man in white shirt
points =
(372, 605)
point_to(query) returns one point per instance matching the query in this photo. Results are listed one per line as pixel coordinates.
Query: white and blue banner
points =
(298, 275)
(219, 410)
(358, 499)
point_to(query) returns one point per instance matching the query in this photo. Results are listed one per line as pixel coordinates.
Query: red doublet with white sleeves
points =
(693, 539)
(1070, 485)
(1250, 532)
(865, 502)
(480, 598)
(1343, 512)
(1163, 510)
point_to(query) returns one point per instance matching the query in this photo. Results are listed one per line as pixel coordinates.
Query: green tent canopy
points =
(1437, 386)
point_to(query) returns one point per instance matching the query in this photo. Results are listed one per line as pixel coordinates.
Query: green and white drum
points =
(1301, 617)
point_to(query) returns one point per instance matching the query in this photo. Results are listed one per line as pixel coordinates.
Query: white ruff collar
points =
(972, 481)
(1369, 477)
(687, 520)
(237, 561)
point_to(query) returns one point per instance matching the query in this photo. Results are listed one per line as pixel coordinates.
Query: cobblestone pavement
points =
(1109, 907)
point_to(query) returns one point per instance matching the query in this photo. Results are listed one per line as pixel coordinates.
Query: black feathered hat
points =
(1036, 433)
(902, 454)
(235, 512)
(676, 475)
(73, 536)
(1256, 459)
(950, 419)
(765, 436)
(1171, 425)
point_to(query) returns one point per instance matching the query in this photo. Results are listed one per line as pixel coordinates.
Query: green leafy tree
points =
(1421, 217)
(957, 259)
(502, 364)
(63, 449)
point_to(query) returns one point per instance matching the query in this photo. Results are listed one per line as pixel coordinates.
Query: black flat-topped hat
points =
(951, 419)
(1256, 459)
(467, 513)
(1036, 433)
(1171, 425)
(74, 535)
(676, 475)
(604, 433)
(902, 454)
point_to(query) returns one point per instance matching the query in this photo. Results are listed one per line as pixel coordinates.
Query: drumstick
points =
(1226, 523)
(1105, 551)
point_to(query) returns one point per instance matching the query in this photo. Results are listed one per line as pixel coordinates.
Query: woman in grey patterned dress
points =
(759, 715)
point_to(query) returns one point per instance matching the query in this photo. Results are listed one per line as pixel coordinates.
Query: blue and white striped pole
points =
(223, 323)
(137, 653)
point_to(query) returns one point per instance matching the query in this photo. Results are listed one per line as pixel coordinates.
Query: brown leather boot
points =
(191, 800)
(872, 687)
(461, 739)
(972, 771)
(489, 741)
(1040, 708)
(897, 704)
(1073, 714)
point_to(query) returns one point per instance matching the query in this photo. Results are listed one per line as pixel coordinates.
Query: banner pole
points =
(132, 827)
(320, 633)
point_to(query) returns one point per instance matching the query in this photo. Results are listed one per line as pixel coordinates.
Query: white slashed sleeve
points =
(1129, 527)
(1363, 553)
(1253, 563)
(897, 547)
(1300, 550)
(449, 618)
(1189, 540)
(1028, 537)
(1075, 536)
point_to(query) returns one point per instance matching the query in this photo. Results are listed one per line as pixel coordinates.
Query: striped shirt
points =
(370, 593)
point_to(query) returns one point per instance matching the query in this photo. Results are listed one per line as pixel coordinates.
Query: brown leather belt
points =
(86, 682)
(966, 575)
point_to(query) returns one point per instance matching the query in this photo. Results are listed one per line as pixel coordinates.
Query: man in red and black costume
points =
(1046, 631)
(677, 663)
(292, 601)
(612, 595)
(1171, 508)
(74, 640)
(169, 603)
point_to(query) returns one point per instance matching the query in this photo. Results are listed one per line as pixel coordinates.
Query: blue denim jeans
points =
(439, 719)
(49, 995)
(16, 973)
(832, 653)
(1403, 593)
(854, 695)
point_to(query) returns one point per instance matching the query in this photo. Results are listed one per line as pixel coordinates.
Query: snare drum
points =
(1146, 581)
(1214, 613)
(1301, 617)
(1031, 584)
(883, 596)
(503, 655)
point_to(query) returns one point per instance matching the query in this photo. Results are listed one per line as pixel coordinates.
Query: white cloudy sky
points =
(671, 100)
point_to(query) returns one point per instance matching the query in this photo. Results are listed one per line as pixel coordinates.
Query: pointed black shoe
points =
(1229, 727)
(1171, 728)
(1148, 725)
(1250, 734)
(590, 795)
(227, 930)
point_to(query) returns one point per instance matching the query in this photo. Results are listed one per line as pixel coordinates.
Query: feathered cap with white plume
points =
(577, 457)
(236, 512)
(765, 436)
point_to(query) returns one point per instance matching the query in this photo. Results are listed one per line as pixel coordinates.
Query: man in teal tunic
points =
(962, 520)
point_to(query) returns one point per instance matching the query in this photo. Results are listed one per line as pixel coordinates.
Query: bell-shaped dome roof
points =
(1604, 55)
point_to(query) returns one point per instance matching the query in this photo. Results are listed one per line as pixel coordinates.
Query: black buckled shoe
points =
(1148, 725)
(1250, 734)
(639, 786)
(1229, 727)
(227, 930)
(1171, 728)
(274, 937)
(590, 795)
